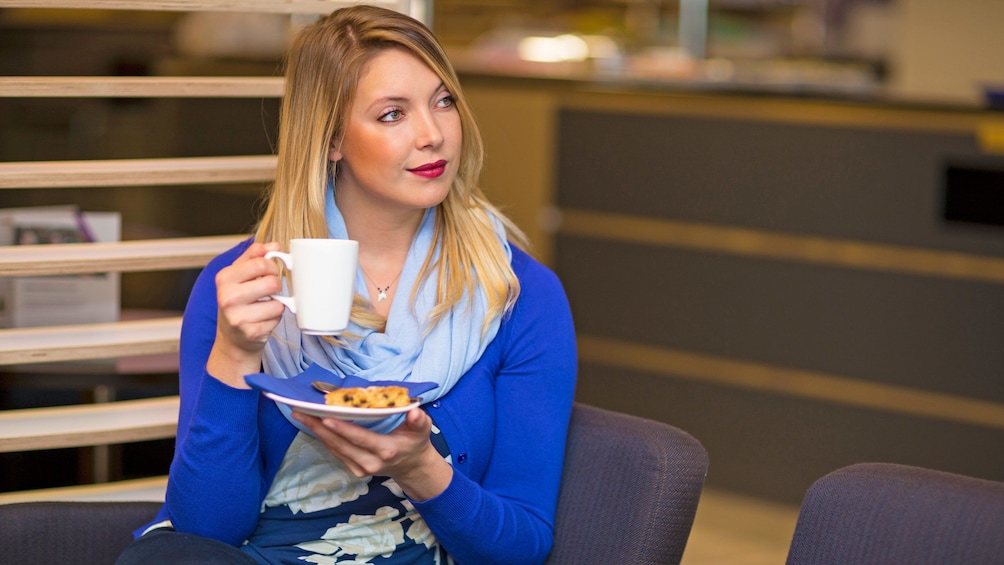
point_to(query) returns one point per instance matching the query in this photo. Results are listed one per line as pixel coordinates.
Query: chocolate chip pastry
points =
(369, 397)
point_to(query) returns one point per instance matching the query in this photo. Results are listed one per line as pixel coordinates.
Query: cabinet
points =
(781, 278)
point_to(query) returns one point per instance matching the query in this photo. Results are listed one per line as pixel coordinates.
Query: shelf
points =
(260, 6)
(152, 489)
(31, 429)
(148, 489)
(137, 172)
(140, 87)
(122, 256)
(89, 341)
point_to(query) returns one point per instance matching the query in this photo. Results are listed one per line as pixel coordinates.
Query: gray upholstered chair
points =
(873, 513)
(629, 495)
(95, 533)
(629, 492)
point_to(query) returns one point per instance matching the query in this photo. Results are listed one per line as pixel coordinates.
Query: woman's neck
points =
(385, 236)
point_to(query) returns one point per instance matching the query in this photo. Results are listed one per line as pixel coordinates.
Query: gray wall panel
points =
(928, 333)
(776, 446)
(872, 185)
(798, 321)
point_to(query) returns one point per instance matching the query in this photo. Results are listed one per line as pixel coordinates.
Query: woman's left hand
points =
(406, 454)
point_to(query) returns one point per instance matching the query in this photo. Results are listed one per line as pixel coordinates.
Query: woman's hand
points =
(405, 454)
(245, 320)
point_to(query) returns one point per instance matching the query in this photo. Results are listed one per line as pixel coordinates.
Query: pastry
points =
(369, 397)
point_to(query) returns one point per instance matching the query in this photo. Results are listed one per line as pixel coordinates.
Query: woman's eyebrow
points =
(401, 99)
(390, 100)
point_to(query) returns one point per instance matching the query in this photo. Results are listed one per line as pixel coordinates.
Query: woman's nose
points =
(429, 134)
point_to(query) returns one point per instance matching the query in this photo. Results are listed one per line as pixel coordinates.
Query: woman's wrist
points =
(428, 479)
(229, 365)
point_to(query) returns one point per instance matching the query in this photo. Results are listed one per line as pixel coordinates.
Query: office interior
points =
(781, 230)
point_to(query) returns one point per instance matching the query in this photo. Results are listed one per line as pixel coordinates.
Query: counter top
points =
(803, 79)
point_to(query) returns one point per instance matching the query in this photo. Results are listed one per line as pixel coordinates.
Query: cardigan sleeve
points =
(507, 516)
(214, 486)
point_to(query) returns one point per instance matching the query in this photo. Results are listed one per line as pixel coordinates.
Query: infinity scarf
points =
(406, 350)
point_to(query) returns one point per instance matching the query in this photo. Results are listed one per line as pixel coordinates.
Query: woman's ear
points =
(334, 155)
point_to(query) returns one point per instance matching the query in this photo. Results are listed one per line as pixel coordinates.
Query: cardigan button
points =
(462, 458)
(435, 404)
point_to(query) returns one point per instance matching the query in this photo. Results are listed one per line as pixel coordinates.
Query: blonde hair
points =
(323, 70)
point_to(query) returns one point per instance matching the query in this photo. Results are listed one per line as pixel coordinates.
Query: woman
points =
(376, 144)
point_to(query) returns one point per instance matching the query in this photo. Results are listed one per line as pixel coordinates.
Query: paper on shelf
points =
(58, 300)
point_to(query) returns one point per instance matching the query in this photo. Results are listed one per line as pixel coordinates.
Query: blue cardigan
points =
(505, 423)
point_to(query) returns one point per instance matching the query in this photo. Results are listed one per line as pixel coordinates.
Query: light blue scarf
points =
(405, 351)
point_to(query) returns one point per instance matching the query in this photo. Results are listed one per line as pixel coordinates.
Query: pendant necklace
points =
(382, 292)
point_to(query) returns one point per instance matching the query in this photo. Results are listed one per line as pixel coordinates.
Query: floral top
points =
(318, 512)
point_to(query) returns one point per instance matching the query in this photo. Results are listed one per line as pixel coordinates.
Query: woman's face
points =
(402, 142)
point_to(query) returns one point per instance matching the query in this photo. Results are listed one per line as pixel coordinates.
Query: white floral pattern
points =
(419, 532)
(311, 479)
(365, 537)
(313, 484)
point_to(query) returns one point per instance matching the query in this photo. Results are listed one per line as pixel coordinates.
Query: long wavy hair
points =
(323, 69)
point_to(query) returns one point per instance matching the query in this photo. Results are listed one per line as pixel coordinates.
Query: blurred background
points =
(779, 222)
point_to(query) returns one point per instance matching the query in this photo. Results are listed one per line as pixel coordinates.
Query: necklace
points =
(382, 292)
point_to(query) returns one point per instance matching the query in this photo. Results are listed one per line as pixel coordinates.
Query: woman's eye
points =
(392, 116)
(447, 101)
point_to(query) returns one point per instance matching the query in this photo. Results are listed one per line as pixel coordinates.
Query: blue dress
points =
(318, 512)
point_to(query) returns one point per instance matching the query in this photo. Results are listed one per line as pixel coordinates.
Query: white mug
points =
(323, 279)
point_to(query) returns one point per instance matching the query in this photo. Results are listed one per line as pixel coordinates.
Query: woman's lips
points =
(430, 170)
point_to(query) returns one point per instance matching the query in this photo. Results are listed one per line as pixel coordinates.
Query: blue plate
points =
(299, 388)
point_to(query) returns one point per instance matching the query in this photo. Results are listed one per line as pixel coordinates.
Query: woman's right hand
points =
(245, 318)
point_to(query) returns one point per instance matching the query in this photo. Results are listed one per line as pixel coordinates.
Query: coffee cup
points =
(322, 277)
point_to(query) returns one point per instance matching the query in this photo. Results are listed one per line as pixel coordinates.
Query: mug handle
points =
(286, 258)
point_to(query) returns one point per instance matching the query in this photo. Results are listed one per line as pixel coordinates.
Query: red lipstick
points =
(430, 170)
